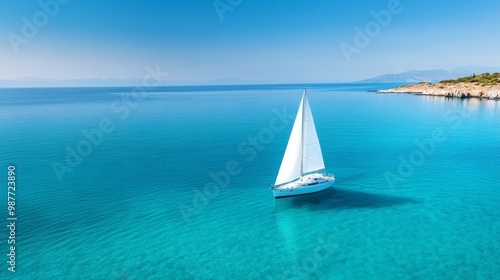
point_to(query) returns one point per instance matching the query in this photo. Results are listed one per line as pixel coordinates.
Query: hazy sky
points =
(253, 40)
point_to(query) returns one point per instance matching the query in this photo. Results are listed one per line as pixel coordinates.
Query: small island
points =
(485, 85)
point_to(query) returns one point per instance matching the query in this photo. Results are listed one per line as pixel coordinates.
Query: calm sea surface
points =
(173, 184)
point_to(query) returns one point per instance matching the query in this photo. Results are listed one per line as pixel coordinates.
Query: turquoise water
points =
(143, 203)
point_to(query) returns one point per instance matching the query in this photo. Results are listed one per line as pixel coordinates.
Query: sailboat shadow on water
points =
(339, 199)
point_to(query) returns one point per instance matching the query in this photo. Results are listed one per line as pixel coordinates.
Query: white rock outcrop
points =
(461, 90)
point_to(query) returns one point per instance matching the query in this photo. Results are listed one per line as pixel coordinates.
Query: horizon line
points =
(206, 85)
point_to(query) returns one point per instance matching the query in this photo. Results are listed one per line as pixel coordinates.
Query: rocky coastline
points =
(457, 90)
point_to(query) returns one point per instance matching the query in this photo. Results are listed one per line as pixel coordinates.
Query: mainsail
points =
(303, 152)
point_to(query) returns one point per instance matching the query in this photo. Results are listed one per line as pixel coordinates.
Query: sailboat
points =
(301, 169)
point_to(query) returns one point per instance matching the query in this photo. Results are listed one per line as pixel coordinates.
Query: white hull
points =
(310, 183)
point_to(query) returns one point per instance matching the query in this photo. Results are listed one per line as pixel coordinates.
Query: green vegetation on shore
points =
(485, 79)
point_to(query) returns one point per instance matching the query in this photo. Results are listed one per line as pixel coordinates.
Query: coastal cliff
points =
(479, 86)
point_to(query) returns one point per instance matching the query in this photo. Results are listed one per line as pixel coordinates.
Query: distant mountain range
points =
(413, 76)
(436, 75)
(39, 82)
(236, 81)
(113, 82)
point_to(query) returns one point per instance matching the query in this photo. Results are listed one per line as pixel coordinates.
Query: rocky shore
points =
(459, 90)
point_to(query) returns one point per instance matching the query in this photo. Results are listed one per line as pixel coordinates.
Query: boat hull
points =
(302, 188)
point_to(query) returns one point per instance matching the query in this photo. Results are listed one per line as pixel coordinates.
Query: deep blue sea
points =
(173, 183)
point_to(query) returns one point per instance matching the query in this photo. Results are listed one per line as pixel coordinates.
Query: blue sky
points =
(276, 41)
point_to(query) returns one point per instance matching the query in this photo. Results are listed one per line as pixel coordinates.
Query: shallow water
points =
(417, 192)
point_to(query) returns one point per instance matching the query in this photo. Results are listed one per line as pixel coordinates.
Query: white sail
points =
(303, 152)
(291, 165)
(312, 156)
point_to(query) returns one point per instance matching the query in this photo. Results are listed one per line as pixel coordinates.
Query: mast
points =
(302, 135)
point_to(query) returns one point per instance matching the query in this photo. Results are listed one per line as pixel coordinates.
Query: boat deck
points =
(306, 181)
